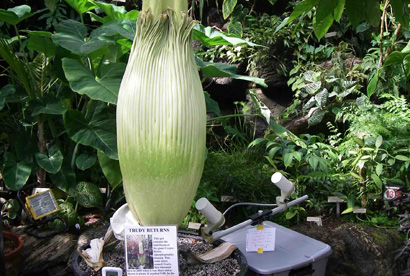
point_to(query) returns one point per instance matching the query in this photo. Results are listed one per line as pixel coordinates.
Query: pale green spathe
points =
(161, 120)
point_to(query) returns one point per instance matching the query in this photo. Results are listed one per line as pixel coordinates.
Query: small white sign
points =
(226, 198)
(318, 220)
(335, 199)
(194, 225)
(330, 34)
(359, 211)
(260, 240)
(151, 250)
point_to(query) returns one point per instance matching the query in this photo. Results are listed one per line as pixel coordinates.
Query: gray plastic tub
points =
(295, 254)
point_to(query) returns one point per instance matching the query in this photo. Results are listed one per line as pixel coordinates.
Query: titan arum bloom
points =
(161, 116)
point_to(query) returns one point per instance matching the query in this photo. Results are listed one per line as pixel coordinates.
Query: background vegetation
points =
(348, 72)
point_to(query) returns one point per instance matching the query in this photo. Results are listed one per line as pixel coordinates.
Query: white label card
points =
(260, 239)
(151, 250)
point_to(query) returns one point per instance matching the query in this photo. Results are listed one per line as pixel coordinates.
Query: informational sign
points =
(151, 250)
(260, 239)
(42, 204)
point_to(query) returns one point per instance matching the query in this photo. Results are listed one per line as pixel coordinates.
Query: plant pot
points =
(12, 257)
(76, 258)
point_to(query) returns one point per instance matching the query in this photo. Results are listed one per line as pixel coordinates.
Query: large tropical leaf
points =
(211, 69)
(48, 105)
(235, 28)
(82, 6)
(41, 44)
(210, 37)
(316, 117)
(324, 17)
(321, 98)
(228, 7)
(123, 27)
(15, 174)
(85, 161)
(5, 91)
(52, 161)
(98, 132)
(401, 11)
(302, 7)
(110, 168)
(15, 15)
(64, 179)
(104, 88)
(113, 13)
(71, 35)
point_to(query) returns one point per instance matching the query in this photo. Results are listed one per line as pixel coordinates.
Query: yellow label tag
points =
(260, 251)
(259, 227)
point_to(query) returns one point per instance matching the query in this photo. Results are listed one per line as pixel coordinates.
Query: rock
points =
(370, 248)
(339, 263)
(357, 250)
(47, 256)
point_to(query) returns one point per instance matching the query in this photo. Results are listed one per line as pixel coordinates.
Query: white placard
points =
(151, 250)
(359, 211)
(260, 239)
(318, 220)
(194, 225)
(330, 34)
(335, 199)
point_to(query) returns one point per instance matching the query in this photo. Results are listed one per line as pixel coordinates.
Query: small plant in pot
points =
(12, 248)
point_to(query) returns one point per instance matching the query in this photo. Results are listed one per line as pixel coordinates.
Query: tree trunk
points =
(41, 173)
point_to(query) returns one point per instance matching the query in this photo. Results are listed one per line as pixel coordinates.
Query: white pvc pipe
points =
(221, 233)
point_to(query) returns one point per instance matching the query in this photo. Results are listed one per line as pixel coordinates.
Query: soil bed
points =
(227, 267)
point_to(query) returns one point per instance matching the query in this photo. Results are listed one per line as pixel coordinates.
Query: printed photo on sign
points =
(151, 250)
(139, 252)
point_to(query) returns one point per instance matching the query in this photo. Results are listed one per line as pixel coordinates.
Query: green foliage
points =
(85, 161)
(103, 87)
(328, 11)
(68, 213)
(86, 194)
(110, 168)
(240, 174)
(81, 6)
(98, 131)
(211, 69)
(62, 91)
(52, 162)
(321, 91)
(15, 15)
(228, 7)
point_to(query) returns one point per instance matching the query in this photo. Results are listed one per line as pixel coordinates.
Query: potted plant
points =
(13, 248)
